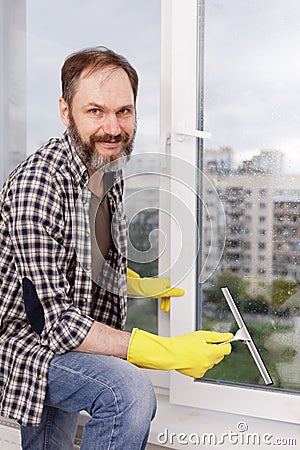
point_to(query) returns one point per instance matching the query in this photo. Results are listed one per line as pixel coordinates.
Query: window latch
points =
(182, 131)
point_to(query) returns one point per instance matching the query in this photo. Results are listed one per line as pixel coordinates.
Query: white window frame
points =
(179, 105)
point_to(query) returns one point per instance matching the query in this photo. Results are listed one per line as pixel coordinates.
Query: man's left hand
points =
(152, 288)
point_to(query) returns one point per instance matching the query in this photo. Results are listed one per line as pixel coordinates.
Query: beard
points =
(89, 155)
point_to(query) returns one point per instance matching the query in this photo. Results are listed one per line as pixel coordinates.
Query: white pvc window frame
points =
(180, 23)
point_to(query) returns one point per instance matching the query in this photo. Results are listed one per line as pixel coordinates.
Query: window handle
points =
(182, 131)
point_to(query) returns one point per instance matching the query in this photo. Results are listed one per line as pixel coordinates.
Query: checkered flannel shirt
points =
(47, 304)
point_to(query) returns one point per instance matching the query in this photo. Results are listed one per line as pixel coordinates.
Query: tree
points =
(236, 286)
(282, 290)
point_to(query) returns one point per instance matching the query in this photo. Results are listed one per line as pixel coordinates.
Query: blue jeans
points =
(116, 394)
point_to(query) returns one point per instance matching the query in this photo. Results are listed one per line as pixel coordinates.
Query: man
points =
(63, 348)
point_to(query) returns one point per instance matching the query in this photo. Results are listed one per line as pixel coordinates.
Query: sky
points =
(251, 68)
(252, 77)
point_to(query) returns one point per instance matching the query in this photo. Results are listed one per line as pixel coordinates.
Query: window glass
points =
(132, 28)
(251, 106)
(12, 86)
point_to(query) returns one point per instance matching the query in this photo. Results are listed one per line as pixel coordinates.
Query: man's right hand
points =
(191, 354)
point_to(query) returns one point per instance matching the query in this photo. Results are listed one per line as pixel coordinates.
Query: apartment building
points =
(261, 209)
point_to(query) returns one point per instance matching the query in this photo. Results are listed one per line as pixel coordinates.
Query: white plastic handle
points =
(182, 131)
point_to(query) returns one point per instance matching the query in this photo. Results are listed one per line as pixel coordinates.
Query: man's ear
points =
(64, 112)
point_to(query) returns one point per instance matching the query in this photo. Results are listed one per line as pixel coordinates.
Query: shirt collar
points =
(78, 168)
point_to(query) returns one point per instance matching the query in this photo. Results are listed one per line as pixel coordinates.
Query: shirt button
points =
(88, 269)
(84, 300)
(40, 376)
(87, 234)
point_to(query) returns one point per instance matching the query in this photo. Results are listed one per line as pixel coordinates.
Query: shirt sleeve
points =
(36, 227)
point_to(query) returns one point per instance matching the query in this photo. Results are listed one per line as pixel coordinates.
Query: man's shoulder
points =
(45, 168)
(50, 159)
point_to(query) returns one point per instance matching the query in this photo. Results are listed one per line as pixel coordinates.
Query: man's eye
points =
(124, 111)
(95, 111)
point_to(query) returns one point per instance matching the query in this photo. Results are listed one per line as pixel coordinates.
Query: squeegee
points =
(243, 335)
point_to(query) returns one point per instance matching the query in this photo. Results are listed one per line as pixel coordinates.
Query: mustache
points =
(122, 137)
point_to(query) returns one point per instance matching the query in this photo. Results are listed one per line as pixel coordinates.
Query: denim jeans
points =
(116, 394)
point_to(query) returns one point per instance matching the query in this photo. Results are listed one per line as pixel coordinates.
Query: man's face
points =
(102, 120)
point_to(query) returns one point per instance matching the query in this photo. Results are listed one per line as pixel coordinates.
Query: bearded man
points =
(63, 346)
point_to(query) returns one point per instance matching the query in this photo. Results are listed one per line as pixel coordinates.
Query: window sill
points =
(180, 427)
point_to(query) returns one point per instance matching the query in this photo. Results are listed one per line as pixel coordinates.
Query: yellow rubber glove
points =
(152, 288)
(191, 354)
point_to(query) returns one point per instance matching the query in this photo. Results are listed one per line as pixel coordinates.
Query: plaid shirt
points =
(47, 304)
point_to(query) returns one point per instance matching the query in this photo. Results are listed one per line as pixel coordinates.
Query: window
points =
(244, 109)
(259, 172)
(12, 86)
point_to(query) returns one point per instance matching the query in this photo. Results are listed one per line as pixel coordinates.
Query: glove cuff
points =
(134, 330)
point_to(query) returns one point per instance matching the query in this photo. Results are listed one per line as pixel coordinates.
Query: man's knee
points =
(124, 409)
(138, 394)
(126, 392)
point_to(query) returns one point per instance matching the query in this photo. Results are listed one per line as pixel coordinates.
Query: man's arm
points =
(191, 354)
(35, 215)
(105, 340)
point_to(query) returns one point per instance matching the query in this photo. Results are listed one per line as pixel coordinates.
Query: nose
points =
(111, 125)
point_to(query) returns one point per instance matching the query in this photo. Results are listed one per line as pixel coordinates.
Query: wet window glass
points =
(251, 88)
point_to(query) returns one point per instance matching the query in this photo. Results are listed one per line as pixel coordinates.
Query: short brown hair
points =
(93, 59)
